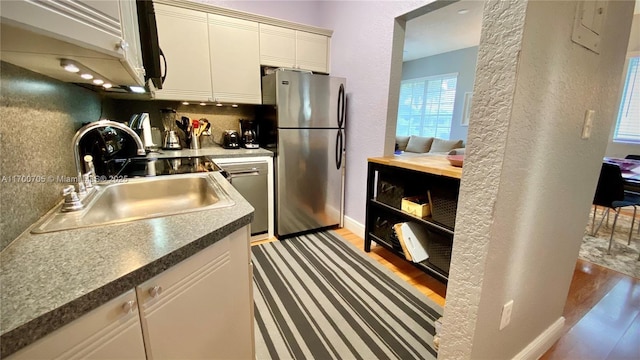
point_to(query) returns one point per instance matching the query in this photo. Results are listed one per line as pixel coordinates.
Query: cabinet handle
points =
(122, 45)
(128, 306)
(155, 291)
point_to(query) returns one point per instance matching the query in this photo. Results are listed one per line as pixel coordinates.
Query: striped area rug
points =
(318, 297)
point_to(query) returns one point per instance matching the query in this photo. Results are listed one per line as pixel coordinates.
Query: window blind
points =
(426, 106)
(628, 124)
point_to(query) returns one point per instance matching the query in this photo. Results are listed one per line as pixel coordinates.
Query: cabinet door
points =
(184, 39)
(235, 60)
(111, 331)
(277, 46)
(312, 51)
(202, 307)
(91, 24)
(131, 35)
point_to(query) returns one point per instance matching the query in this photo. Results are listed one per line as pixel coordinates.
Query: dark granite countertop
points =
(49, 280)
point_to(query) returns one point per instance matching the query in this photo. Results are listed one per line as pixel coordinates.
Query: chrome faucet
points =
(98, 124)
(85, 186)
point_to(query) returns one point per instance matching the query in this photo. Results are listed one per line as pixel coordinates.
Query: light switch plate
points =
(588, 123)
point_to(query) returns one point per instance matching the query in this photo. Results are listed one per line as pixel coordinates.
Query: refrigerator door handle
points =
(341, 106)
(339, 149)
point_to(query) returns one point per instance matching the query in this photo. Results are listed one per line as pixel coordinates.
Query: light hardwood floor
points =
(602, 311)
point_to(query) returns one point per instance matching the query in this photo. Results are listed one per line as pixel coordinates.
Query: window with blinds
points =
(628, 124)
(426, 106)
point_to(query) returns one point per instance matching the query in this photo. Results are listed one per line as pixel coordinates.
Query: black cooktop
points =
(139, 167)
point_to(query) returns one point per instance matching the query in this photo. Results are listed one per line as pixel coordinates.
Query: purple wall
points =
(361, 52)
(304, 12)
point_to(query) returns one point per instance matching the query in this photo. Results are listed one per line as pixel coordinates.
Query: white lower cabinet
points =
(112, 331)
(201, 308)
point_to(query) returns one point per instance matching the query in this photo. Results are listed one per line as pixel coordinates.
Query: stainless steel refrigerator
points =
(309, 121)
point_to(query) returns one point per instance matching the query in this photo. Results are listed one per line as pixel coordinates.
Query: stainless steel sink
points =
(141, 198)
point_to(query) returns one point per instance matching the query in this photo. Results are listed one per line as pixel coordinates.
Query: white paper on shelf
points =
(415, 238)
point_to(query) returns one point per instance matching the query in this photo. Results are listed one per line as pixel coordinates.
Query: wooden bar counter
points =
(432, 164)
(392, 178)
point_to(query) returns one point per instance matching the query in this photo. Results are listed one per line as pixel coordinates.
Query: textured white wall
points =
(529, 179)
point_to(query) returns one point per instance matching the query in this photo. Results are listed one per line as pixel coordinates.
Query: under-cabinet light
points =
(218, 104)
(137, 89)
(203, 104)
(85, 73)
(185, 103)
(234, 105)
(71, 68)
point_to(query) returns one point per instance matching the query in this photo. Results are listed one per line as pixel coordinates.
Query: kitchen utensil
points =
(186, 124)
(205, 125)
(195, 136)
(179, 125)
(171, 141)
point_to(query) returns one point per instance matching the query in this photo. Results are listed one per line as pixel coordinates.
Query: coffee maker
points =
(248, 136)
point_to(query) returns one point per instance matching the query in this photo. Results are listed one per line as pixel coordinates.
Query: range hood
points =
(102, 37)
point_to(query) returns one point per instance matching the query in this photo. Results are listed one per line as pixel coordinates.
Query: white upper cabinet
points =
(211, 58)
(235, 63)
(312, 52)
(283, 47)
(277, 46)
(102, 35)
(183, 36)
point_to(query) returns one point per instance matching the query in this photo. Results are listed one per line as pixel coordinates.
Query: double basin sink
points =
(140, 198)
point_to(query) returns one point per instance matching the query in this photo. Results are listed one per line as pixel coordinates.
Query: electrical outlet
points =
(506, 314)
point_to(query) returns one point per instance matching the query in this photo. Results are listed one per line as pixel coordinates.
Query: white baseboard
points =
(354, 226)
(543, 342)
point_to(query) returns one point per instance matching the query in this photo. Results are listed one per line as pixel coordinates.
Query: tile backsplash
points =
(38, 119)
(221, 117)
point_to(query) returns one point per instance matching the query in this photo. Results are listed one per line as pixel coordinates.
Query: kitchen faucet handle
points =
(71, 200)
(68, 190)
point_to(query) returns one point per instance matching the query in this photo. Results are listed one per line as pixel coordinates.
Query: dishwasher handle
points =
(244, 173)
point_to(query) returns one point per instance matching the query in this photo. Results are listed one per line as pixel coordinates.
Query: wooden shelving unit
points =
(383, 209)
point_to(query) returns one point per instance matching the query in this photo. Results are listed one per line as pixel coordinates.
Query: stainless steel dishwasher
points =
(250, 179)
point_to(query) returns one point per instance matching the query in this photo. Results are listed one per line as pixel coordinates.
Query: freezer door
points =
(305, 100)
(308, 181)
